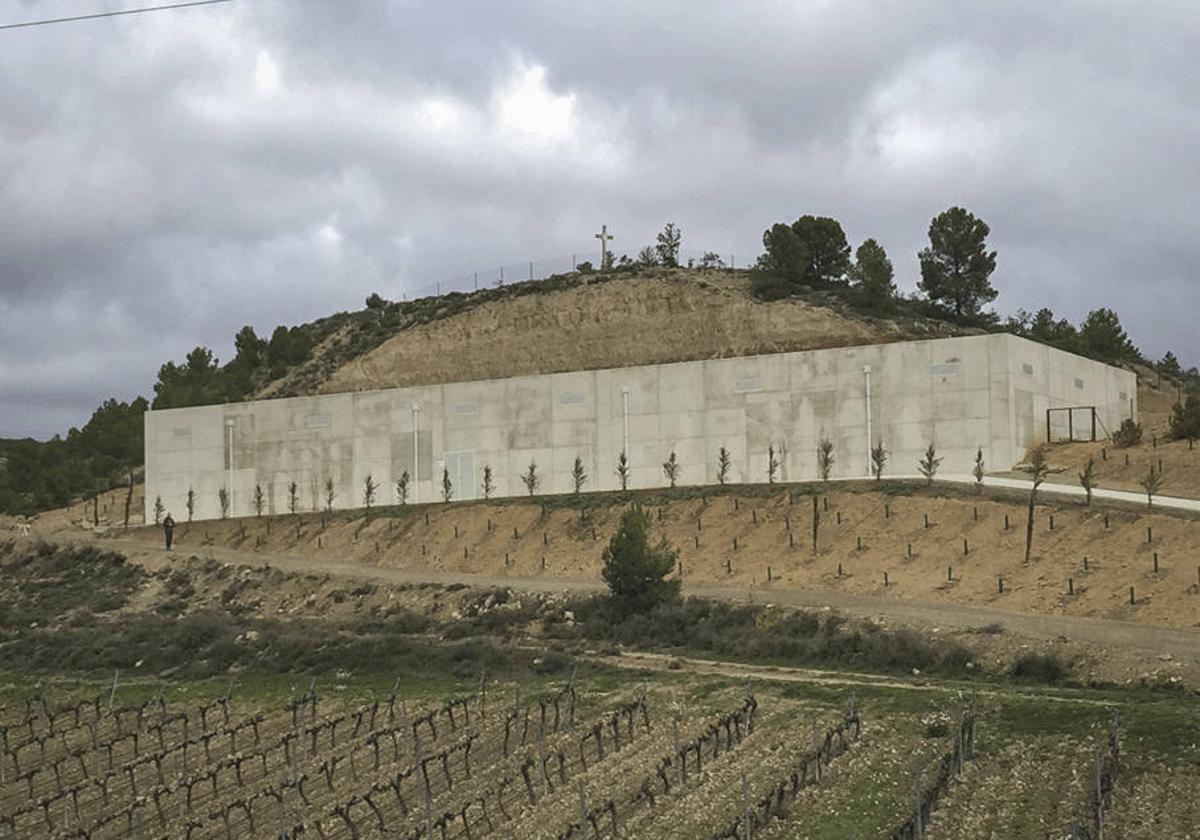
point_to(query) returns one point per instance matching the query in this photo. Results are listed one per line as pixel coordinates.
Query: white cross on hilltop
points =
(604, 236)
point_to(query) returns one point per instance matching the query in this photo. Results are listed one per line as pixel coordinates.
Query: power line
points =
(111, 14)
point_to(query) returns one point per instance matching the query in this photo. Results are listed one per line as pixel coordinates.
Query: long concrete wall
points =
(988, 392)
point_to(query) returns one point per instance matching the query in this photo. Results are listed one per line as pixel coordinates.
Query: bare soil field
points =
(931, 545)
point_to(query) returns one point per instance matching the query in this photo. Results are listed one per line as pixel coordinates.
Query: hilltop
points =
(579, 321)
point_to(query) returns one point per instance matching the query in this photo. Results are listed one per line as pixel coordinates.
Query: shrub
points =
(766, 286)
(1185, 419)
(1129, 433)
(1038, 667)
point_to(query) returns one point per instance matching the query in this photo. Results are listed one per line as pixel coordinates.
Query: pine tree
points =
(635, 572)
(872, 275)
(956, 267)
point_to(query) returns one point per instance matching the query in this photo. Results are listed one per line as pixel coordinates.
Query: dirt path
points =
(1179, 644)
(637, 660)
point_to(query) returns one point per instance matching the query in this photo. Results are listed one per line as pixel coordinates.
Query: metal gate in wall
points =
(460, 467)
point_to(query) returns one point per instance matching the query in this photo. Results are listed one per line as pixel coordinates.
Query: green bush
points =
(766, 286)
(1039, 667)
(1129, 433)
(1185, 419)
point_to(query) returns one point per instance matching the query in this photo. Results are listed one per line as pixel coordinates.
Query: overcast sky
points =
(169, 177)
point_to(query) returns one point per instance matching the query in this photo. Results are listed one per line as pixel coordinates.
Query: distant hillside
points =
(580, 321)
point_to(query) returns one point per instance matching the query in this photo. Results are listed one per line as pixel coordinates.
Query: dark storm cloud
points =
(167, 178)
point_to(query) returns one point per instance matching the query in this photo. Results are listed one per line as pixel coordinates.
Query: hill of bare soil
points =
(651, 317)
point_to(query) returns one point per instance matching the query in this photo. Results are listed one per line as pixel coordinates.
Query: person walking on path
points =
(168, 530)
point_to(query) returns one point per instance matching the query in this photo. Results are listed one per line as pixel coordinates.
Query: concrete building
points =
(988, 391)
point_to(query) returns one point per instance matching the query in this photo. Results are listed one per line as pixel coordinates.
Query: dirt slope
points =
(637, 320)
(522, 540)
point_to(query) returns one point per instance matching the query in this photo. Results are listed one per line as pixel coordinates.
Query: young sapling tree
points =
(530, 478)
(260, 500)
(978, 471)
(489, 486)
(579, 475)
(623, 470)
(330, 495)
(825, 458)
(1087, 478)
(1037, 469)
(1152, 483)
(879, 457)
(723, 464)
(159, 510)
(190, 504)
(772, 464)
(402, 488)
(447, 486)
(369, 489)
(671, 468)
(223, 500)
(928, 465)
(293, 497)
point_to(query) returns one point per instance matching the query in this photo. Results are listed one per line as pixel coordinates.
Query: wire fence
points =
(540, 269)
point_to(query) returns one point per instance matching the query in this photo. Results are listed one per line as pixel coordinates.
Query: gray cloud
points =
(168, 178)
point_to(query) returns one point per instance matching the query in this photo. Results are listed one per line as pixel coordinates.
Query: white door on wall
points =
(460, 466)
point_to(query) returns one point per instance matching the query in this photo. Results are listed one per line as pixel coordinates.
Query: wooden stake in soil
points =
(1132, 600)
(885, 580)
(1070, 586)
(1000, 584)
(1085, 563)
(816, 523)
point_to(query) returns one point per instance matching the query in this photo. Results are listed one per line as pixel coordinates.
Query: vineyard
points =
(673, 759)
